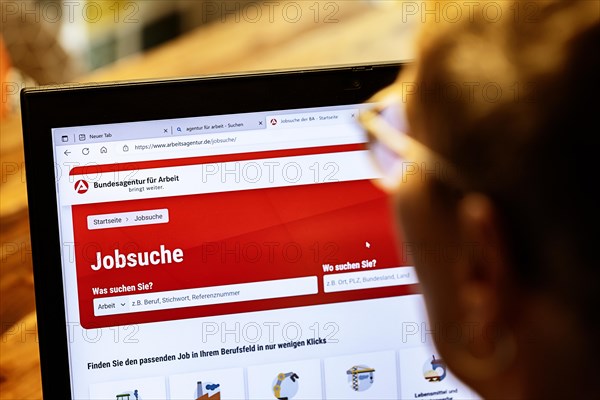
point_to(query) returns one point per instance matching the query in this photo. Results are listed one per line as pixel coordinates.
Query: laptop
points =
(221, 238)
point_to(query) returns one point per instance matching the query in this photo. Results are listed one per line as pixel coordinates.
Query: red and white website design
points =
(238, 260)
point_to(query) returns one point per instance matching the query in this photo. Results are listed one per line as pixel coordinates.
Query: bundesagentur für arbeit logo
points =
(81, 186)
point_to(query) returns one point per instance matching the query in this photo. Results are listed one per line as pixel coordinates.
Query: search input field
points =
(205, 296)
(369, 279)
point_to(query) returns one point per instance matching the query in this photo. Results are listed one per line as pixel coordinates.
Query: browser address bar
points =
(175, 143)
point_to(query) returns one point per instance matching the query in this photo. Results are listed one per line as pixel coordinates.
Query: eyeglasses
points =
(397, 155)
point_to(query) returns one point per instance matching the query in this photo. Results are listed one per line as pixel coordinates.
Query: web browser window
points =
(244, 256)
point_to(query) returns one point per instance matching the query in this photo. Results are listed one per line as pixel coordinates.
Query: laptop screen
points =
(243, 256)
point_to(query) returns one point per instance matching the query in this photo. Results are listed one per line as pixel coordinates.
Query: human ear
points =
(483, 281)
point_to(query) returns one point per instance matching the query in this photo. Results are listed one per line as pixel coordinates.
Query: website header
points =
(98, 184)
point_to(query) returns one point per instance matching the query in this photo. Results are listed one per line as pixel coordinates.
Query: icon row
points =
(359, 376)
(86, 151)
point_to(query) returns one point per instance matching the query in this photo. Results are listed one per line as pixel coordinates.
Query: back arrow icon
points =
(67, 152)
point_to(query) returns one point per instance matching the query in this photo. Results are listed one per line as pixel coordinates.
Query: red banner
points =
(230, 238)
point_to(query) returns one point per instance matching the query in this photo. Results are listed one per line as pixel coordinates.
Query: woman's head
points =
(508, 255)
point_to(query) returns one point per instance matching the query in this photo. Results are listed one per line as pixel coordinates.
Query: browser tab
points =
(222, 124)
(307, 119)
(157, 129)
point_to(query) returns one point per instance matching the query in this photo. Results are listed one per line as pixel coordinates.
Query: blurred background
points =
(56, 41)
(52, 40)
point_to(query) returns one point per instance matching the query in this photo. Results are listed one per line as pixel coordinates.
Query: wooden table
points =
(356, 33)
